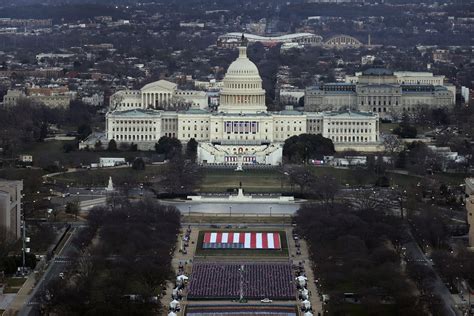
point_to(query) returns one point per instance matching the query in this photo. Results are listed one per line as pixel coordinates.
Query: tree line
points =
(125, 271)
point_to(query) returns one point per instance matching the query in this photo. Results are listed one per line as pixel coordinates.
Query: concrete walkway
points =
(314, 298)
(186, 261)
(22, 296)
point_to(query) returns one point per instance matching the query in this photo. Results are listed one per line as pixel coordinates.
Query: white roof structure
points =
(160, 85)
(306, 304)
(181, 278)
(301, 280)
(174, 304)
(304, 292)
(287, 38)
(172, 314)
(308, 314)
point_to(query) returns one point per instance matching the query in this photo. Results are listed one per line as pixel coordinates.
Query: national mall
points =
(241, 131)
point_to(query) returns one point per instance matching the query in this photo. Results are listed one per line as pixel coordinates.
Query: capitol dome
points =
(242, 66)
(242, 91)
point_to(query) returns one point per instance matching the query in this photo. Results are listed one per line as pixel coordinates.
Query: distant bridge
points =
(343, 41)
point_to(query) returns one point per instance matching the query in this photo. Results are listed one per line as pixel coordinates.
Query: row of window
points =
(243, 85)
(349, 130)
(195, 122)
(135, 122)
(196, 136)
(195, 128)
(350, 139)
(134, 129)
(379, 103)
(140, 137)
(344, 123)
(288, 128)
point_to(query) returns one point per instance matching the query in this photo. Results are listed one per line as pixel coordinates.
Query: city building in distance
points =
(382, 91)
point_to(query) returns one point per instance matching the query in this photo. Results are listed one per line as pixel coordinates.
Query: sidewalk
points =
(178, 258)
(314, 298)
(22, 296)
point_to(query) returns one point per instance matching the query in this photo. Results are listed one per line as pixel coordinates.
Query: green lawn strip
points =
(219, 180)
(387, 128)
(208, 219)
(242, 252)
(13, 285)
(48, 152)
(100, 177)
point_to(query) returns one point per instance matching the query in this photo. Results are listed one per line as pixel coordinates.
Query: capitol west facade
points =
(241, 131)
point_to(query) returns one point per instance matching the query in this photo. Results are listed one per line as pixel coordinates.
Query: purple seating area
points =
(258, 281)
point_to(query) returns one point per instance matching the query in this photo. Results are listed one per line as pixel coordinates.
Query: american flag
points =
(241, 240)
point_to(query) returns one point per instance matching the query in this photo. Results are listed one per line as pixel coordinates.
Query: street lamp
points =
(189, 210)
(230, 210)
(24, 240)
(270, 211)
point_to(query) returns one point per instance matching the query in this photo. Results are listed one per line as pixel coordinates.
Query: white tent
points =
(305, 293)
(308, 314)
(301, 280)
(175, 291)
(180, 279)
(172, 314)
(306, 304)
(174, 304)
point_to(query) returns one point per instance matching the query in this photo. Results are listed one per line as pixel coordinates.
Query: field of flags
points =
(241, 240)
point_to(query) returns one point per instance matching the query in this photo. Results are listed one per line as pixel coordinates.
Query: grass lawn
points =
(208, 219)
(219, 180)
(47, 153)
(13, 285)
(387, 128)
(100, 177)
(283, 252)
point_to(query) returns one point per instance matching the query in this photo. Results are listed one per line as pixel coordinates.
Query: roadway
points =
(57, 265)
(414, 253)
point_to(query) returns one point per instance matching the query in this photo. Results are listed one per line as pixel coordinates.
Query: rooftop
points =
(377, 72)
(136, 112)
(253, 37)
(349, 114)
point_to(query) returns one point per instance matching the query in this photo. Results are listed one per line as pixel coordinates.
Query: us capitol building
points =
(241, 131)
